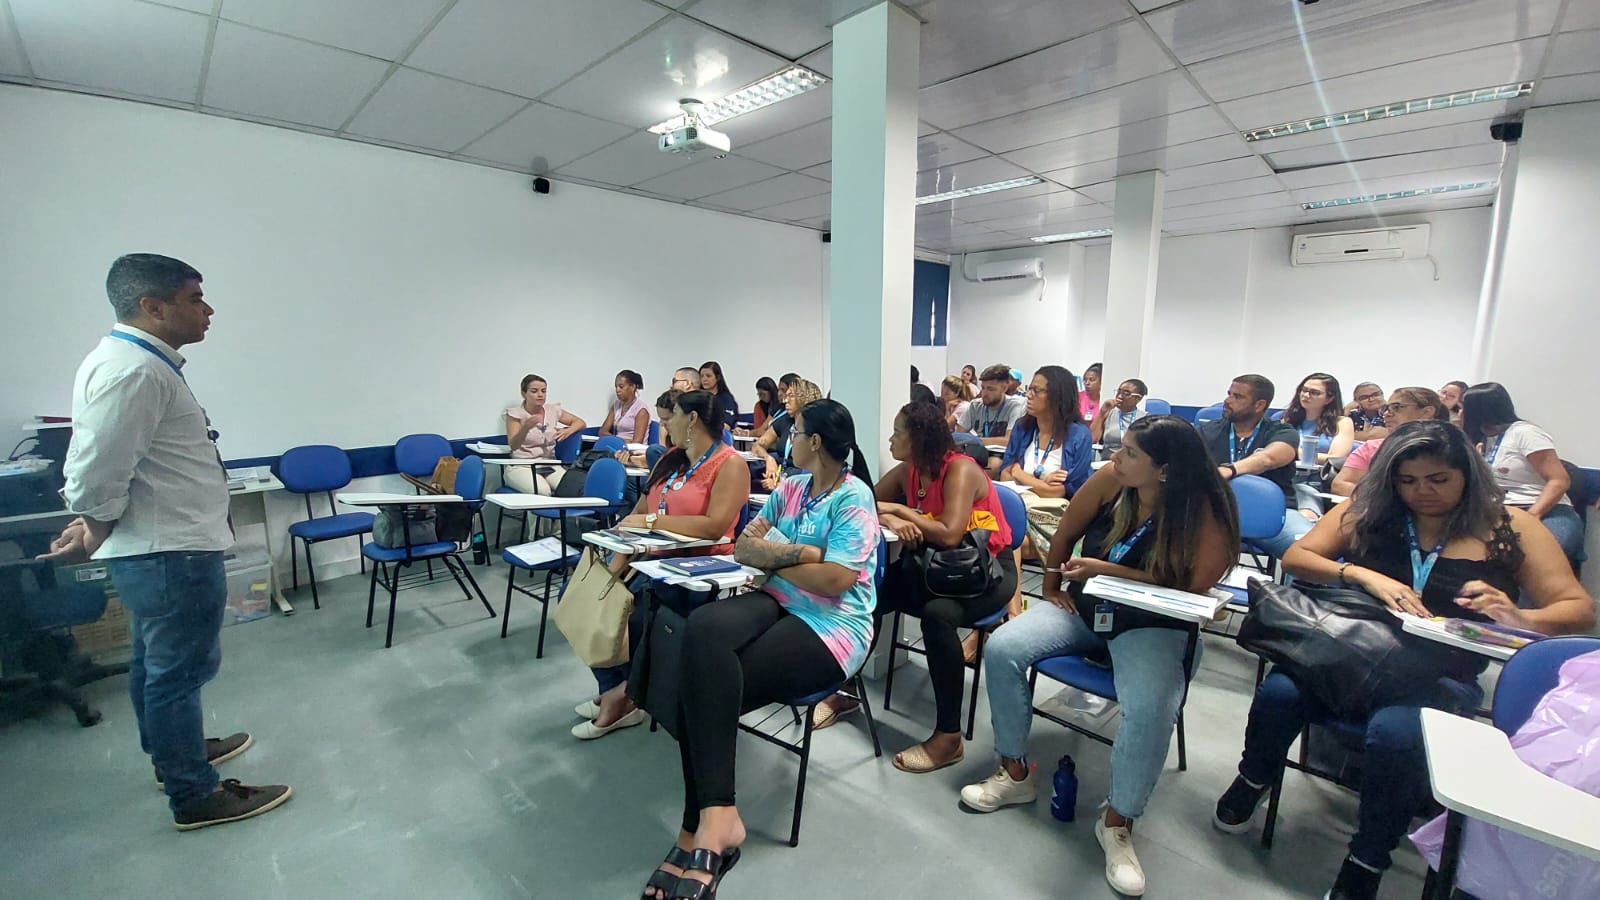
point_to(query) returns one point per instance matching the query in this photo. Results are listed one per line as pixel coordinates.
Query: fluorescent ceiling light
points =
(980, 189)
(791, 82)
(1395, 195)
(1073, 236)
(1389, 110)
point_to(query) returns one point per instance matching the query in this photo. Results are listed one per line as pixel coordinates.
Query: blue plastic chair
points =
(1091, 678)
(605, 479)
(1157, 407)
(803, 709)
(320, 469)
(470, 485)
(1209, 414)
(568, 448)
(1261, 515)
(653, 434)
(1016, 513)
(1531, 673)
(610, 444)
(417, 454)
(390, 560)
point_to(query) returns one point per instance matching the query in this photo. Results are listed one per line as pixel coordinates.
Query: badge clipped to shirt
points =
(1104, 611)
(775, 536)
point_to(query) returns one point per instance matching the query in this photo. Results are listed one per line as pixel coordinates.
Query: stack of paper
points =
(1112, 588)
(542, 552)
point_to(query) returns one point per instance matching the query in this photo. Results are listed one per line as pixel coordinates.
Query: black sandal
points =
(662, 880)
(714, 864)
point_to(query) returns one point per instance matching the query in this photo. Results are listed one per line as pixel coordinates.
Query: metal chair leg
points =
(1183, 746)
(294, 569)
(467, 573)
(505, 618)
(311, 572)
(1271, 824)
(894, 643)
(800, 783)
(866, 708)
(977, 674)
(362, 557)
(372, 591)
(544, 614)
(499, 528)
(394, 586)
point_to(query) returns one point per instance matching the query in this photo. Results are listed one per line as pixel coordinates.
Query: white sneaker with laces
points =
(998, 790)
(1122, 864)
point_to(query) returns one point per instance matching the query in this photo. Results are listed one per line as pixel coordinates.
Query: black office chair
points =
(39, 659)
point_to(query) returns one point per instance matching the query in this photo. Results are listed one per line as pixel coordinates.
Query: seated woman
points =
(629, 417)
(1089, 397)
(646, 458)
(1451, 395)
(1427, 489)
(1366, 412)
(806, 630)
(533, 428)
(933, 498)
(1161, 514)
(774, 446)
(693, 492)
(1114, 419)
(956, 397)
(1316, 410)
(768, 404)
(1407, 404)
(1524, 461)
(969, 377)
(711, 380)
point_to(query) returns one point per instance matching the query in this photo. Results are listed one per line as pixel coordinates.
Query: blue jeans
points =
(1147, 667)
(175, 603)
(608, 677)
(1566, 524)
(1294, 525)
(1394, 766)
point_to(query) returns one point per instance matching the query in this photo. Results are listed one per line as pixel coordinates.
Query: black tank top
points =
(1096, 545)
(1392, 557)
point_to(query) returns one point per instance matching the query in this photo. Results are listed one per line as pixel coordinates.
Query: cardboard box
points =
(106, 640)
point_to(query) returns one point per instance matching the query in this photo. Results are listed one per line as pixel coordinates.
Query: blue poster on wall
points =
(930, 304)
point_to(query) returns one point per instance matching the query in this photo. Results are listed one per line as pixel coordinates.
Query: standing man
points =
(1245, 442)
(146, 481)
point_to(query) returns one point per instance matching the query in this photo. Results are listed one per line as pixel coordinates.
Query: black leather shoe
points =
(220, 750)
(231, 802)
(1355, 882)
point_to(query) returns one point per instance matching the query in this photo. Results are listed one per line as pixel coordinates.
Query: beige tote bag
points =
(593, 613)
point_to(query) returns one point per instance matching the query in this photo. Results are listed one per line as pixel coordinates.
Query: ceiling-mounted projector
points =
(693, 136)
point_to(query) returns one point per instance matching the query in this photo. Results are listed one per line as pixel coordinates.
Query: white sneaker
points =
(1122, 864)
(998, 790)
(588, 731)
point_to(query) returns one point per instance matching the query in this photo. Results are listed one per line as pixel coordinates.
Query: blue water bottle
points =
(1066, 790)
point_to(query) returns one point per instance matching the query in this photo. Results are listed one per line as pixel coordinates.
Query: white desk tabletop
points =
(485, 449)
(540, 501)
(1196, 608)
(636, 472)
(358, 499)
(595, 538)
(517, 461)
(1434, 631)
(1476, 773)
(256, 486)
(759, 500)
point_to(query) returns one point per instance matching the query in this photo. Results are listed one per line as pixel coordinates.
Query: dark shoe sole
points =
(265, 807)
(249, 741)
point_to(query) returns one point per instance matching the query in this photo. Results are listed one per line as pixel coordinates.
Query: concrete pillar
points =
(1131, 288)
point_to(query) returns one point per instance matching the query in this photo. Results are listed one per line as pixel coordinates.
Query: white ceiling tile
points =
(820, 61)
(1039, 204)
(1272, 218)
(1227, 190)
(1151, 134)
(816, 222)
(1425, 163)
(962, 36)
(964, 175)
(1581, 15)
(823, 171)
(940, 149)
(1391, 184)
(1500, 64)
(1080, 66)
(381, 28)
(629, 161)
(783, 26)
(425, 110)
(709, 176)
(961, 207)
(1105, 191)
(1477, 112)
(1567, 89)
(1202, 29)
(782, 189)
(543, 138)
(130, 48)
(642, 83)
(787, 115)
(1254, 203)
(528, 46)
(1213, 173)
(924, 129)
(799, 149)
(1147, 98)
(800, 210)
(312, 84)
(1463, 134)
(1194, 153)
(1423, 32)
(11, 62)
(1086, 218)
(1574, 53)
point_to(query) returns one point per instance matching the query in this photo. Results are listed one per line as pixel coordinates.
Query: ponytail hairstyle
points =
(829, 421)
(676, 461)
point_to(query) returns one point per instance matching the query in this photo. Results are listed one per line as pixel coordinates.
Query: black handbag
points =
(967, 571)
(1346, 649)
(655, 677)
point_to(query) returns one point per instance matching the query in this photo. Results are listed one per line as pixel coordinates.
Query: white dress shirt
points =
(141, 452)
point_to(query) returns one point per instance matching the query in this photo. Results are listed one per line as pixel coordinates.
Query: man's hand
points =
(76, 543)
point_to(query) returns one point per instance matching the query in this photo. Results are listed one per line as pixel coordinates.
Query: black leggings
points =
(739, 654)
(941, 616)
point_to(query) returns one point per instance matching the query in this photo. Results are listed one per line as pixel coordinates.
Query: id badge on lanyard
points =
(1104, 616)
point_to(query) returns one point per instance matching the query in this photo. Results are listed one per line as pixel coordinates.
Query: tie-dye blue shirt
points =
(845, 525)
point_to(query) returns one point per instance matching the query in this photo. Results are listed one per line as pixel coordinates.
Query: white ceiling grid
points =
(1076, 93)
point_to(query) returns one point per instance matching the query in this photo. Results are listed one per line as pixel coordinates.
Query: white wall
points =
(1230, 302)
(363, 293)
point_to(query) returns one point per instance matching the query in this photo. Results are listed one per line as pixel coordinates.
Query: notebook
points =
(697, 566)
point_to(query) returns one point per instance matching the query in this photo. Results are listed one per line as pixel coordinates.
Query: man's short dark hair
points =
(996, 372)
(1260, 387)
(138, 275)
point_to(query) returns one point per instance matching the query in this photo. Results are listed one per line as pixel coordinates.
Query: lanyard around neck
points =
(1121, 548)
(812, 503)
(1490, 451)
(1421, 565)
(141, 342)
(677, 482)
(1234, 434)
(1038, 470)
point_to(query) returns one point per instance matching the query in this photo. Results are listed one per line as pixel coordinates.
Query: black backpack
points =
(571, 485)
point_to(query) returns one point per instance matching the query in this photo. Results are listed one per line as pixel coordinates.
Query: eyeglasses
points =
(1312, 392)
(1036, 391)
(1368, 398)
(1396, 407)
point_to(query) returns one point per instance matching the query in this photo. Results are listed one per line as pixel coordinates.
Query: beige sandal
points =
(823, 715)
(917, 761)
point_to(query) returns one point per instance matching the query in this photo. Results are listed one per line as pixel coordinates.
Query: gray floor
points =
(443, 768)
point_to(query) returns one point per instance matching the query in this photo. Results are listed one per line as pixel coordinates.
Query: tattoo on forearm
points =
(767, 555)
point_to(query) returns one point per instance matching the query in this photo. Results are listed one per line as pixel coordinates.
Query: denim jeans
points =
(1394, 766)
(1147, 667)
(175, 603)
(1566, 524)
(1294, 526)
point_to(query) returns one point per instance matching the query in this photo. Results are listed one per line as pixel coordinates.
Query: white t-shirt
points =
(1507, 455)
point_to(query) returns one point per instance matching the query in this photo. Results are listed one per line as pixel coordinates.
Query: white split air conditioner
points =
(1406, 242)
(1011, 269)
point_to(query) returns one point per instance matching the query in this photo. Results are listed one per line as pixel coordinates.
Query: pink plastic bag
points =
(1562, 740)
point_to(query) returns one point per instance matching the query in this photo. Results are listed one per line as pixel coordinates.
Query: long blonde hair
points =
(961, 389)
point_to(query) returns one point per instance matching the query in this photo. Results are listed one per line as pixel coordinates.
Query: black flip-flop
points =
(714, 864)
(662, 880)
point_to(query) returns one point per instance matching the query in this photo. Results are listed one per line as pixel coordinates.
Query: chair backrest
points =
(1530, 673)
(605, 480)
(1157, 407)
(652, 435)
(1261, 508)
(469, 478)
(1209, 414)
(610, 444)
(727, 436)
(314, 468)
(568, 448)
(417, 454)
(972, 445)
(883, 561)
(1016, 513)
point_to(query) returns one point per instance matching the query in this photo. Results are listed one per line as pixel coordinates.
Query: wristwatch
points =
(650, 520)
(1232, 469)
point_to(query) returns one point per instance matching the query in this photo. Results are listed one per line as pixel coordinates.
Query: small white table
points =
(525, 503)
(483, 448)
(596, 539)
(385, 499)
(247, 505)
(1475, 773)
(1434, 631)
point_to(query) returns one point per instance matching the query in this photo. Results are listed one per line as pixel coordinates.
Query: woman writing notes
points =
(533, 428)
(773, 447)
